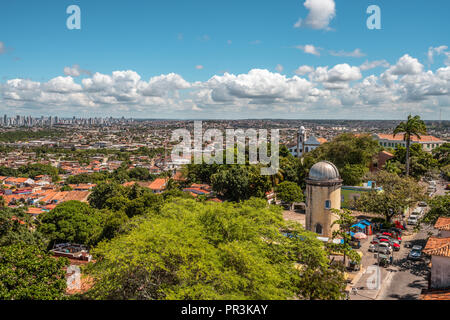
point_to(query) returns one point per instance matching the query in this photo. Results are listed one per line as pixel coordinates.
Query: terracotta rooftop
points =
(129, 183)
(399, 137)
(443, 295)
(387, 153)
(77, 195)
(32, 210)
(158, 184)
(16, 180)
(438, 247)
(443, 223)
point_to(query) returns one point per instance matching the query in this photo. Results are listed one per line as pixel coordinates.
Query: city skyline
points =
(292, 60)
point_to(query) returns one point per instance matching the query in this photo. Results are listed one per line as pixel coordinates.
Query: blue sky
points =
(198, 40)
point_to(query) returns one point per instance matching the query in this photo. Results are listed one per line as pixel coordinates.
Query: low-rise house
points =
(71, 251)
(18, 182)
(443, 225)
(380, 160)
(35, 212)
(199, 189)
(82, 187)
(439, 250)
(158, 186)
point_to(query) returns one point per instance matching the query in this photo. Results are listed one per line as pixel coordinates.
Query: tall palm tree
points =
(414, 126)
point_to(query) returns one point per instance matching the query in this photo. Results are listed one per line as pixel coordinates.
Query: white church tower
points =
(301, 139)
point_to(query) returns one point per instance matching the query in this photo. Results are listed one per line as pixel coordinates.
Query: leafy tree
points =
(66, 187)
(439, 207)
(114, 223)
(393, 167)
(421, 162)
(176, 193)
(413, 127)
(345, 221)
(347, 149)
(397, 195)
(16, 227)
(147, 203)
(72, 221)
(284, 151)
(289, 192)
(194, 250)
(28, 273)
(102, 192)
(140, 174)
(446, 171)
(442, 154)
(352, 174)
(240, 182)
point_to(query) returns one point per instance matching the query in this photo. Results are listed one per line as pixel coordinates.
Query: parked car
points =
(415, 253)
(422, 204)
(396, 245)
(384, 248)
(388, 234)
(412, 220)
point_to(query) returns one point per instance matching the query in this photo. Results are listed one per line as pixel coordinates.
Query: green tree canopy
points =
(398, 194)
(289, 192)
(421, 162)
(439, 207)
(240, 182)
(71, 221)
(193, 250)
(442, 154)
(28, 273)
(16, 226)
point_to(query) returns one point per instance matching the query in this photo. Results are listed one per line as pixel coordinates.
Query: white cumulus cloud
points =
(309, 48)
(321, 12)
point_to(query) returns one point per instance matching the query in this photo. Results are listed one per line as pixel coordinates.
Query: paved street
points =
(404, 280)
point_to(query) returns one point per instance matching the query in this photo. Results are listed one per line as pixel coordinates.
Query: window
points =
(328, 204)
(319, 228)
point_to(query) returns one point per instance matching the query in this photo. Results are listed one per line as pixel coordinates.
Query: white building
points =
(428, 143)
(304, 143)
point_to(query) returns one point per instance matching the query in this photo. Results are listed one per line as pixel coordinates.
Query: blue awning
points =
(365, 222)
(360, 225)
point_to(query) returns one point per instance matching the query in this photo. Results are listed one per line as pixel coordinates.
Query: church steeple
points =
(301, 139)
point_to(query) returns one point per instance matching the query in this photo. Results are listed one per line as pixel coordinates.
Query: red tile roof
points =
(438, 247)
(442, 294)
(32, 210)
(399, 137)
(158, 184)
(443, 223)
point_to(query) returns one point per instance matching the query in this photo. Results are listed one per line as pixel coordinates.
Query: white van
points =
(413, 219)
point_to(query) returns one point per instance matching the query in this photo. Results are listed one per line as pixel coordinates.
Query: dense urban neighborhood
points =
(358, 209)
